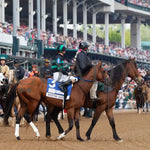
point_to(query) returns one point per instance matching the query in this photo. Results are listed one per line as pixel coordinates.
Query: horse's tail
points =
(9, 103)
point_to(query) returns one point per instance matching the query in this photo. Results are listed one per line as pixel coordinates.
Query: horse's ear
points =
(99, 64)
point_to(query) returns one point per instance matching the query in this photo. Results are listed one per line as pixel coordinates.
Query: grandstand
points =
(56, 12)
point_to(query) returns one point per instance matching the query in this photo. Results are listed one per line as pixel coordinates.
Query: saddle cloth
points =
(102, 87)
(54, 91)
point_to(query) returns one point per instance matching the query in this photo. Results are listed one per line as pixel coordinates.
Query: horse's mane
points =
(117, 72)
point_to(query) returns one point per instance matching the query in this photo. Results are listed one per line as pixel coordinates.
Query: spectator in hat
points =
(19, 71)
(34, 72)
(45, 71)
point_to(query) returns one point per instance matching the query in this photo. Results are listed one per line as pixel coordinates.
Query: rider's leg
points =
(93, 90)
(66, 81)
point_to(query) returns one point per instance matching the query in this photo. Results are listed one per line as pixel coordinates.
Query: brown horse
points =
(108, 98)
(139, 98)
(33, 90)
(146, 94)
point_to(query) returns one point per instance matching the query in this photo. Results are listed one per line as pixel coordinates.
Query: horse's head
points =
(133, 72)
(101, 74)
(144, 89)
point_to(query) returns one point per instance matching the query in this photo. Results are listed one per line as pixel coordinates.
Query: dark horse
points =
(33, 90)
(139, 98)
(107, 101)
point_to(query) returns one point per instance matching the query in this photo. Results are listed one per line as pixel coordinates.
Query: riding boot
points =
(64, 84)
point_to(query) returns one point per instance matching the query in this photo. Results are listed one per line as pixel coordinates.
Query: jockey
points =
(5, 70)
(19, 71)
(34, 72)
(60, 72)
(45, 72)
(83, 64)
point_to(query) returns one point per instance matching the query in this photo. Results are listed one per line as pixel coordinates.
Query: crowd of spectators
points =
(143, 3)
(52, 41)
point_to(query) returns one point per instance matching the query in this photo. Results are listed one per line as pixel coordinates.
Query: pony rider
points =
(5, 70)
(83, 64)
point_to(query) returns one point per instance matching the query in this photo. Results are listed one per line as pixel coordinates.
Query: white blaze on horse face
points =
(2, 77)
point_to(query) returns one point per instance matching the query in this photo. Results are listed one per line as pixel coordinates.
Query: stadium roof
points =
(97, 4)
(24, 12)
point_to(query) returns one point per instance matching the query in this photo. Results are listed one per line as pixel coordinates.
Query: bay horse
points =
(139, 98)
(33, 90)
(146, 94)
(108, 98)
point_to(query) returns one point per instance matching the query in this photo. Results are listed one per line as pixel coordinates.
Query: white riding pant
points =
(60, 77)
(93, 90)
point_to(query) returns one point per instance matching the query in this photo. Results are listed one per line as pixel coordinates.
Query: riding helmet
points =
(16, 61)
(83, 45)
(61, 48)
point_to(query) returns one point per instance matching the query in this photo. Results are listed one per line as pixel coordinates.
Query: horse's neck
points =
(117, 85)
(87, 81)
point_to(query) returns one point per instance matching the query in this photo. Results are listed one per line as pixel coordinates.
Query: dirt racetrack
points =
(134, 129)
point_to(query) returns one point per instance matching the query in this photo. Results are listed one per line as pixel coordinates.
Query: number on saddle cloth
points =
(54, 91)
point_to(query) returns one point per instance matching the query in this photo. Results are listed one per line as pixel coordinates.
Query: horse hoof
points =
(120, 141)
(63, 139)
(88, 138)
(80, 139)
(18, 138)
(37, 137)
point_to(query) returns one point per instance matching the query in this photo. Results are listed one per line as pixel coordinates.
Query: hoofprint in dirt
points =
(134, 129)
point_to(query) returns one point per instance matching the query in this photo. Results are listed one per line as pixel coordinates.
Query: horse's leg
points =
(48, 119)
(18, 118)
(54, 116)
(76, 119)
(44, 111)
(70, 116)
(97, 114)
(147, 106)
(13, 115)
(110, 116)
(28, 119)
(18, 106)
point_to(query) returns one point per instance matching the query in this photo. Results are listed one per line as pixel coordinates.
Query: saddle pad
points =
(102, 87)
(54, 91)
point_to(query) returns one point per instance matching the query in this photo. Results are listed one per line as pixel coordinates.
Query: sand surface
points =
(134, 129)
